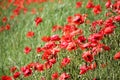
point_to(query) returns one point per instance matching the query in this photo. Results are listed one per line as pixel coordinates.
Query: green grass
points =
(12, 42)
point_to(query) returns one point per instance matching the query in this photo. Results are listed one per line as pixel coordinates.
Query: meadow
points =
(59, 39)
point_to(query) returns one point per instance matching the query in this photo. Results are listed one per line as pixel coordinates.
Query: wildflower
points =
(30, 34)
(117, 56)
(16, 75)
(38, 20)
(97, 9)
(87, 56)
(27, 50)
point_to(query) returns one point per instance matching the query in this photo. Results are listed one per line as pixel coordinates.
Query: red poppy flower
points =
(46, 55)
(65, 61)
(117, 18)
(69, 19)
(40, 67)
(27, 50)
(38, 20)
(97, 9)
(45, 38)
(78, 4)
(16, 75)
(64, 76)
(95, 37)
(108, 30)
(108, 4)
(33, 11)
(26, 71)
(117, 56)
(6, 77)
(30, 34)
(7, 27)
(71, 46)
(4, 19)
(90, 5)
(81, 39)
(53, 60)
(87, 56)
(63, 44)
(38, 50)
(2, 28)
(54, 76)
(48, 65)
(13, 69)
(94, 78)
(10, 1)
(55, 38)
(78, 19)
(83, 69)
(25, 10)
(93, 66)
(56, 27)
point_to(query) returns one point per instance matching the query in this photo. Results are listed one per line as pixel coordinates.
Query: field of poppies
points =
(59, 39)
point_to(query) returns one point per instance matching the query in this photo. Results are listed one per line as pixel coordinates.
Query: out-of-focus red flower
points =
(45, 38)
(97, 9)
(16, 11)
(78, 4)
(117, 18)
(71, 46)
(63, 44)
(56, 27)
(40, 67)
(78, 19)
(27, 50)
(25, 10)
(38, 49)
(50, 45)
(46, 55)
(55, 76)
(108, 4)
(12, 17)
(81, 39)
(6, 77)
(13, 69)
(117, 56)
(30, 34)
(2, 28)
(108, 30)
(33, 11)
(87, 56)
(48, 65)
(4, 19)
(7, 27)
(16, 75)
(94, 78)
(68, 29)
(95, 37)
(90, 5)
(93, 66)
(26, 71)
(69, 19)
(55, 37)
(64, 76)
(106, 48)
(53, 60)
(65, 61)
(83, 69)
(38, 20)
(10, 1)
